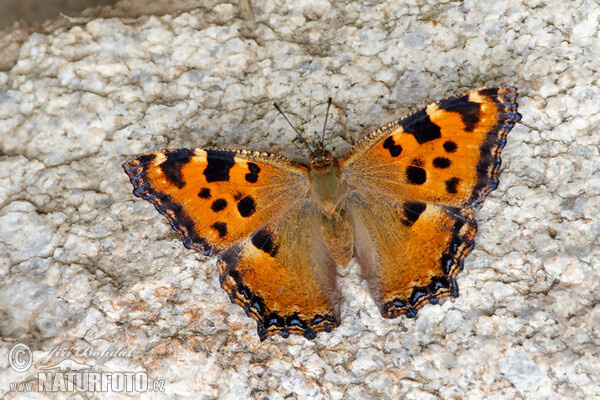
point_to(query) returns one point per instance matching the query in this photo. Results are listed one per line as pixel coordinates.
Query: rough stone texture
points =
(84, 263)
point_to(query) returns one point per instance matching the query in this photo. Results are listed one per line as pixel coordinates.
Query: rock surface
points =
(85, 265)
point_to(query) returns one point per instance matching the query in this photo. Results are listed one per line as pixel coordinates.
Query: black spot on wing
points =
(171, 167)
(262, 240)
(469, 111)
(221, 228)
(219, 163)
(420, 126)
(416, 175)
(451, 185)
(450, 146)
(412, 212)
(252, 176)
(204, 193)
(394, 149)
(219, 205)
(441, 162)
(246, 206)
(146, 159)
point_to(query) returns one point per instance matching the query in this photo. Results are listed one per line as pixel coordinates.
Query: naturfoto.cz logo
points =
(72, 376)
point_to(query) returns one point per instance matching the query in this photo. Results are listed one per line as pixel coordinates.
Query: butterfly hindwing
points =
(409, 252)
(283, 276)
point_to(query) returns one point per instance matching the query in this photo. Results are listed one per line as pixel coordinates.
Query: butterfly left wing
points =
(253, 210)
(411, 185)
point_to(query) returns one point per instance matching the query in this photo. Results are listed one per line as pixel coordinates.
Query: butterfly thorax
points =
(326, 185)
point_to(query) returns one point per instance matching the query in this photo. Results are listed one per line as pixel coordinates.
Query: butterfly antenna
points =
(326, 115)
(295, 130)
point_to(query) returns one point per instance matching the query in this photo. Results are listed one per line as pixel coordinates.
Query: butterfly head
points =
(319, 157)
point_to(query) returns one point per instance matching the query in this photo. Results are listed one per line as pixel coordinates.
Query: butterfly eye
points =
(311, 159)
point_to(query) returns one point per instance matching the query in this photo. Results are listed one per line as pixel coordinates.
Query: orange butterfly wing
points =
(411, 185)
(253, 210)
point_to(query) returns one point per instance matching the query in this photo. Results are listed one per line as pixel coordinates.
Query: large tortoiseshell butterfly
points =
(400, 202)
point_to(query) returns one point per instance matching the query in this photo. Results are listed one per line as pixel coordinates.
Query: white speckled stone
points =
(521, 371)
(25, 234)
(84, 263)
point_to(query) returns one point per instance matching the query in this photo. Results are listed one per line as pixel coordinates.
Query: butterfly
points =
(401, 202)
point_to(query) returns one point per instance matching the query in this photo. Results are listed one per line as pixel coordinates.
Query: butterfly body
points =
(327, 197)
(400, 202)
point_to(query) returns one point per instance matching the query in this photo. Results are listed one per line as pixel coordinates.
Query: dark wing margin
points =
(489, 165)
(170, 162)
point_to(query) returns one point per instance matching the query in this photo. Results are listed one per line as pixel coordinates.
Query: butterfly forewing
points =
(410, 253)
(216, 198)
(447, 153)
